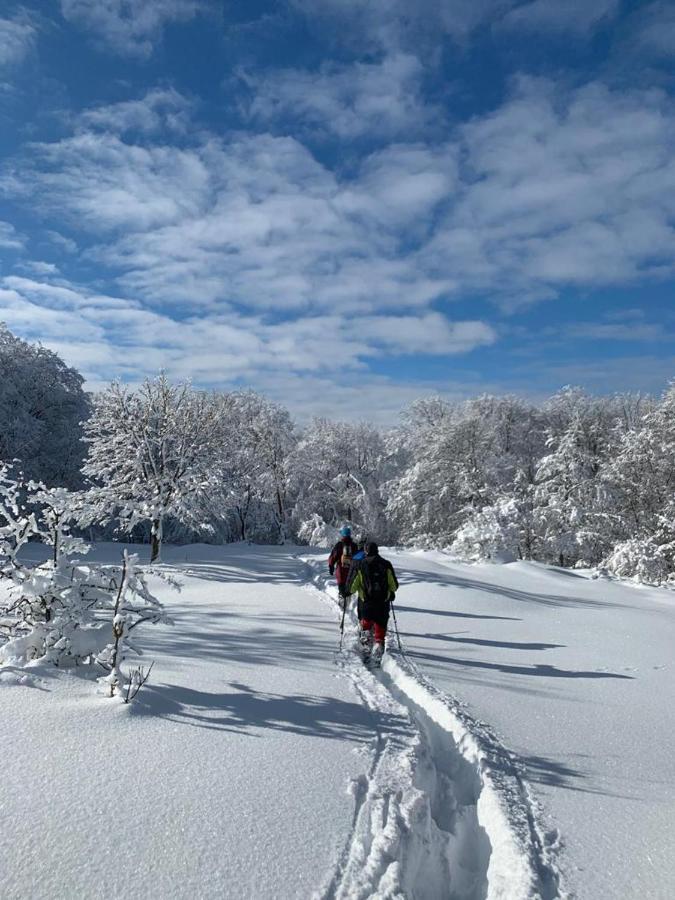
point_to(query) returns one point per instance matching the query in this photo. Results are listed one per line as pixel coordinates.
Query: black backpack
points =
(377, 582)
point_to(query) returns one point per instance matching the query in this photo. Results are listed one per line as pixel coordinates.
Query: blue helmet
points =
(346, 531)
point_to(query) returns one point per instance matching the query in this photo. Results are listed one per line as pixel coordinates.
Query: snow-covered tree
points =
(338, 469)
(641, 478)
(153, 453)
(461, 458)
(569, 497)
(259, 440)
(42, 405)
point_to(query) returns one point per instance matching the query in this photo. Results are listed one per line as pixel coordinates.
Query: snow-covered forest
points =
(576, 480)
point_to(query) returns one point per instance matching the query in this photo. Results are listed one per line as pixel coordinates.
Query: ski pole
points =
(342, 621)
(398, 636)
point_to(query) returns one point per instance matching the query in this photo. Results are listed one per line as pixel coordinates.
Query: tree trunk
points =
(156, 539)
(282, 517)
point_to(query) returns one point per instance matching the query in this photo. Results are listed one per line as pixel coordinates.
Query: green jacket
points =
(357, 583)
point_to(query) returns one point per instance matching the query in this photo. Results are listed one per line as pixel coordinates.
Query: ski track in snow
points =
(443, 811)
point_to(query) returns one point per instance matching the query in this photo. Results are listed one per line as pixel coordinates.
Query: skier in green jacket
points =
(375, 582)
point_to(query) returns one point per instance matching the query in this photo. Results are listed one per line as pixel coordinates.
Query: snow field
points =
(260, 762)
(574, 675)
(227, 776)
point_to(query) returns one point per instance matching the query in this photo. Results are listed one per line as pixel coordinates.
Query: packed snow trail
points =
(457, 821)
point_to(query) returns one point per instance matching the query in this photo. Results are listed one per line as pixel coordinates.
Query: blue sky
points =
(346, 204)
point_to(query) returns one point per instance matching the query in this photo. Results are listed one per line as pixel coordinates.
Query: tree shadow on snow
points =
(257, 640)
(480, 642)
(259, 568)
(245, 711)
(416, 576)
(546, 771)
(541, 670)
(450, 612)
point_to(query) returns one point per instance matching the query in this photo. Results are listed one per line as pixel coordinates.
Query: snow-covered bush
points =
(490, 533)
(64, 612)
(130, 604)
(642, 559)
(46, 609)
(315, 532)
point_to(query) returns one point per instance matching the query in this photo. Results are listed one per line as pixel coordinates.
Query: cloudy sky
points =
(345, 204)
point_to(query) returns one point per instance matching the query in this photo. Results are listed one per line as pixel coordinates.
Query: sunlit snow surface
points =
(259, 763)
(577, 676)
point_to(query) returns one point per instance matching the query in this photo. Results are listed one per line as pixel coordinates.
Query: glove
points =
(391, 597)
(331, 569)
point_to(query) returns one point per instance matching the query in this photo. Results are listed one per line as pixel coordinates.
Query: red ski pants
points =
(380, 630)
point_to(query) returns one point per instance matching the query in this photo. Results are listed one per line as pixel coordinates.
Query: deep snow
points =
(228, 775)
(258, 762)
(576, 675)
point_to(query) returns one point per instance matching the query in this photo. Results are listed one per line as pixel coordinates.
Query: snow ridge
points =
(444, 810)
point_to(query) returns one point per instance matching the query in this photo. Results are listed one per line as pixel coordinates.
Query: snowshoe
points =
(365, 645)
(376, 655)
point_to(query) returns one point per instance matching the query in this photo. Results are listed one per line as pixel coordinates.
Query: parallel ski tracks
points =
(442, 812)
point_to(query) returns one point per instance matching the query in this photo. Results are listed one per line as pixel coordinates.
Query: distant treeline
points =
(576, 480)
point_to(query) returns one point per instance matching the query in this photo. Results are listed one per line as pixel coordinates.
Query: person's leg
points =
(380, 632)
(380, 628)
(366, 635)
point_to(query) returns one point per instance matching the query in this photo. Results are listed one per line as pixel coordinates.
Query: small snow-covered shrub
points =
(490, 533)
(643, 559)
(317, 533)
(49, 615)
(130, 604)
(63, 612)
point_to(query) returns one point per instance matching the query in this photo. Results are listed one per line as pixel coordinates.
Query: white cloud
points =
(65, 243)
(16, 39)
(429, 333)
(256, 219)
(631, 332)
(653, 29)
(558, 190)
(390, 24)
(379, 99)
(39, 267)
(553, 189)
(160, 110)
(571, 16)
(398, 188)
(369, 25)
(130, 27)
(109, 337)
(10, 239)
(98, 180)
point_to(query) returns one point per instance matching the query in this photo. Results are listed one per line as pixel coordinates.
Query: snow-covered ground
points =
(577, 677)
(258, 762)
